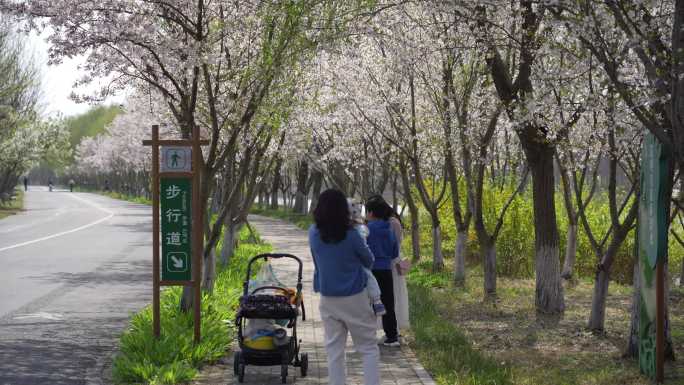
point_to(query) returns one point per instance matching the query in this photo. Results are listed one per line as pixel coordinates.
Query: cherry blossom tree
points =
(634, 41)
(213, 63)
(116, 156)
(518, 27)
(395, 104)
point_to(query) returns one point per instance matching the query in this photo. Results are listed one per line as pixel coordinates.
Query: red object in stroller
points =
(276, 307)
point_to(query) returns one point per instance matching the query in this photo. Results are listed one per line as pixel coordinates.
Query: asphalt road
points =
(73, 266)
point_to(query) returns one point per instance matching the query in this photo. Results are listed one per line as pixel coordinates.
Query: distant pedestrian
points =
(25, 183)
(71, 185)
(106, 185)
(340, 254)
(50, 184)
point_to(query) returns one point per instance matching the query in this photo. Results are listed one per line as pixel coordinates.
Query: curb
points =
(422, 374)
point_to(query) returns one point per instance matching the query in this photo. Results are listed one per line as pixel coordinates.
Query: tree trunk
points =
(681, 275)
(317, 185)
(669, 347)
(415, 238)
(570, 252)
(339, 180)
(216, 200)
(413, 212)
(301, 197)
(209, 271)
(488, 255)
(602, 280)
(264, 197)
(366, 181)
(437, 255)
(632, 349)
(395, 202)
(230, 237)
(598, 301)
(187, 299)
(275, 185)
(571, 244)
(459, 258)
(462, 222)
(549, 290)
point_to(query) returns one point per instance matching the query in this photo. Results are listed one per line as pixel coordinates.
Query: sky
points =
(59, 79)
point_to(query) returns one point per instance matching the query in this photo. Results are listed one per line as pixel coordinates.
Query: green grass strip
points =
(128, 197)
(174, 358)
(443, 349)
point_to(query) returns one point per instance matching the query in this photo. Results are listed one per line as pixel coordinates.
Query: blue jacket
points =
(338, 267)
(383, 244)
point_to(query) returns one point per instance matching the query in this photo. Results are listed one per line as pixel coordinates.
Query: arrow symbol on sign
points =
(177, 262)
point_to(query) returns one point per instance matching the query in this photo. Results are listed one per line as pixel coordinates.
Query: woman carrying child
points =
(340, 254)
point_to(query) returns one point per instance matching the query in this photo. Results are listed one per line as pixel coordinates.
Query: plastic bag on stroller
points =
(266, 277)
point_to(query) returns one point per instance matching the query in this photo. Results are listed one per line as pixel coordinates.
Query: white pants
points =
(355, 315)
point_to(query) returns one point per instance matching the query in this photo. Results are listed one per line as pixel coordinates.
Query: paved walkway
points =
(398, 366)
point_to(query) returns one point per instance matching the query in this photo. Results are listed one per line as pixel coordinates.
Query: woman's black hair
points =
(381, 209)
(332, 216)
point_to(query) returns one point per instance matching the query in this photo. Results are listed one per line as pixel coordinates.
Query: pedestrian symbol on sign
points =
(176, 159)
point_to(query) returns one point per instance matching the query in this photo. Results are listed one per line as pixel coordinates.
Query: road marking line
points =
(111, 214)
(44, 315)
(59, 212)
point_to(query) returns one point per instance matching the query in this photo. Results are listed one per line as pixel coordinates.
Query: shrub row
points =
(174, 358)
(515, 246)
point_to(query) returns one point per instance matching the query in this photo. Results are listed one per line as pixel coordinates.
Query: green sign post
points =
(176, 228)
(652, 234)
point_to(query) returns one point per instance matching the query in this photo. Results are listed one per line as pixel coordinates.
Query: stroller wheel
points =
(236, 363)
(283, 373)
(241, 373)
(304, 364)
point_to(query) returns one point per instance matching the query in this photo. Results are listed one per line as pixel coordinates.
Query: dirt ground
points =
(557, 351)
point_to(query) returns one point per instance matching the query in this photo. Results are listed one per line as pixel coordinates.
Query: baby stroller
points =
(274, 303)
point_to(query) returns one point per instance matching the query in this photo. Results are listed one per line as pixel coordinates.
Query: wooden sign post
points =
(176, 188)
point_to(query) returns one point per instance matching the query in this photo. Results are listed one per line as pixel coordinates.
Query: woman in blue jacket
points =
(385, 248)
(340, 254)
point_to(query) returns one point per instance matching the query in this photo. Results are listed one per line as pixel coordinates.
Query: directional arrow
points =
(177, 262)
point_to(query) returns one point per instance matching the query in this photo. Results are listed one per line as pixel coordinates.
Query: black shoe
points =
(392, 342)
